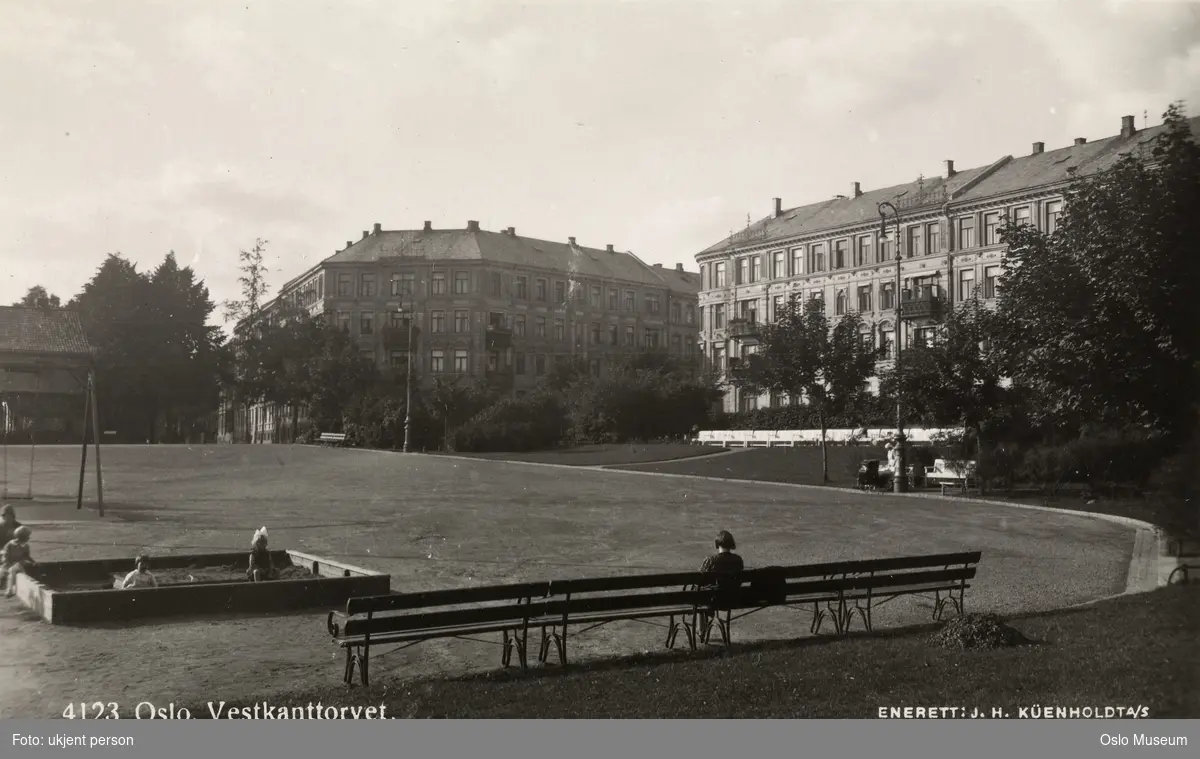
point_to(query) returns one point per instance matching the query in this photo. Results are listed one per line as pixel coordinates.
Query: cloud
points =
(66, 44)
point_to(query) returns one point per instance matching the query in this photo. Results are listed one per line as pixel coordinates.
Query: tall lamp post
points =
(408, 379)
(900, 476)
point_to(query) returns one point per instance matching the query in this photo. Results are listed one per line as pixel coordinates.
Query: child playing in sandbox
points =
(261, 567)
(16, 559)
(140, 577)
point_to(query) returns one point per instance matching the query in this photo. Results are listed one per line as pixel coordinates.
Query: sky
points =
(657, 126)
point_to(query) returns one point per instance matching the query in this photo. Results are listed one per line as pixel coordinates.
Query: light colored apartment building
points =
(834, 250)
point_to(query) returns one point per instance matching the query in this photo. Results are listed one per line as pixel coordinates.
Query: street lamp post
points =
(899, 477)
(408, 380)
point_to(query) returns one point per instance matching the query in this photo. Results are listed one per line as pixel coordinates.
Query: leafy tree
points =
(38, 297)
(802, 357)
(1101, 318)
(250, 381)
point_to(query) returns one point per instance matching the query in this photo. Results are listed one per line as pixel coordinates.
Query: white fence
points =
(793, 438)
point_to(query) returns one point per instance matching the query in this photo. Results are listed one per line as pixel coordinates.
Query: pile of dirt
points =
(977, 631)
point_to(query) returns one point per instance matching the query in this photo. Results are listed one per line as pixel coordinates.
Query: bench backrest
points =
(517, 592)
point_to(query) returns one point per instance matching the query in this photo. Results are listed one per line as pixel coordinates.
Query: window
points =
(560, 292)
(519, 360)
(462, 282)
(777, 307)
(991, 228)
(523, 287)
(539, 327)
(914, 241)
(719, 316)
(1053, 213)
(816, 257)
(691, 314)
(797, 261)
(614, 299)
(755, 268)
(368, 354)
(652, 304)
(966, 233)
(651, 338)
(840, 302)
(437, 361)
(676, 312)
(778, 265)
(397, 320)
(966, 284)
(864, 338)
(343, 321)
(539, 365)
(540, 290)
(1022, 216)
(933, 237)
(438, 283)
(864, 297)
(676, 344)
(368, 285)
(398, 359)
(613, 335)
(629, 336)
(720, 276)
(884, 253)
(925, 336)
(560, 330)
(718, 358)
(496, 320)
(595, 333)
(462, 321)
(597, 294)
(743, 271)
(403, 284)
(991, 282)
(460, 361)
(630, 301)
(493, 361)
(497, 285)
(437, 322)
(366, 324)
(887, 296)
(839, 253)
(519, 325)
(747, 310)
(862, 254)
(345, 285)
(887, 341)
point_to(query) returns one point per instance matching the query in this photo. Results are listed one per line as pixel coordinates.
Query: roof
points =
(514, 250)
(48, 331)
(1006, 175)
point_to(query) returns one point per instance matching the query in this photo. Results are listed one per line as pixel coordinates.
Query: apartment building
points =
(834, 250)
(495, 305)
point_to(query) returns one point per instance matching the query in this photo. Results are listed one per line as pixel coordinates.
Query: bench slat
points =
(430, 598)
(629, 582)
(400, 636)
(456, 618)
(639, 601)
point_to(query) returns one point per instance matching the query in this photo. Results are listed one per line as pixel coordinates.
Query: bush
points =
(977, 631)
(514, 424)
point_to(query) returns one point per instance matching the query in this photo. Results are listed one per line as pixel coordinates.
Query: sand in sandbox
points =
(186, 575)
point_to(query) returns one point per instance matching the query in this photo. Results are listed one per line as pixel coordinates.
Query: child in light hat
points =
(16, 558)
(261, 567)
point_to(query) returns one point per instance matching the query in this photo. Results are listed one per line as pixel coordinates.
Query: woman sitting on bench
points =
(724, 561)
(261, 568)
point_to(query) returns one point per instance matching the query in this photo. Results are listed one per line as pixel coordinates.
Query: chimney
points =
(512, 231)
(571, 241)
(378, 227)
(657, 266)
(778, 207)
(366, 234)
(1039, 147)
(1127, 127)
(1080, 140)
(950, 172)
(609, 248)
(472, 226)
(349, 243)
(429, 226)
(857, 190)
(678, 267)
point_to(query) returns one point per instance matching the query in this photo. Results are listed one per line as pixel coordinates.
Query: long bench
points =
(332, 438)
(691, 602)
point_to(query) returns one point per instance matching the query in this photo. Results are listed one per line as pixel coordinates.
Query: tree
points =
(957, 379)
(801, 357)
(1101, 318)
(37, 297)
(250, 381)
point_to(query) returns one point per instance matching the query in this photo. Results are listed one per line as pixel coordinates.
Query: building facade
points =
(491, 305)
(834, 250)
(44, 359)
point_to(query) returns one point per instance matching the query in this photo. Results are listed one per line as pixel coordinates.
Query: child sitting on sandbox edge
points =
(140, 577)
(16, 559)
(261, 567)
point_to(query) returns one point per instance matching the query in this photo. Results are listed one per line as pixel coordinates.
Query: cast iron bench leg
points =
(348, 670)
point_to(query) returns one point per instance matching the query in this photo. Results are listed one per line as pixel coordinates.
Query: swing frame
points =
(41, 344)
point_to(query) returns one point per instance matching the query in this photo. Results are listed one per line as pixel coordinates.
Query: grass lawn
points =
(803, 466)
(604, 455)
(435, 522)
(1129, 652)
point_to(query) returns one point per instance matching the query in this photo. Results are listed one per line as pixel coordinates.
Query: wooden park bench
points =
(411, 618)
(332, 438)
(689, 601)
(949, 476)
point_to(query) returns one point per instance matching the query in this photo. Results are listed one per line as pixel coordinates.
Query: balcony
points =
(743, 329)
(498, 338)
(396, 338)
(925, 304)
(499, 377)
